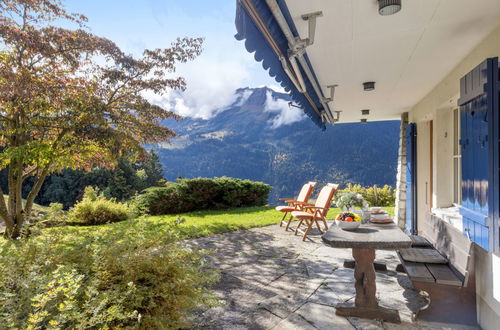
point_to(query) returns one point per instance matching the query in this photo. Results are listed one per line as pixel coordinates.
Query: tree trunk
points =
(35, 190)
(15, 216)
(15, 211)
(4, 214)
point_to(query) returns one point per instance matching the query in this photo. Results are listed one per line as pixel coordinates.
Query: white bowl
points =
(348, 225)
(378, 216)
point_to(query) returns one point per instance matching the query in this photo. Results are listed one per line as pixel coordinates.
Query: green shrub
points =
(101, 279)
(374, 196)
(95, 209)
(55, 215)
(188, 195)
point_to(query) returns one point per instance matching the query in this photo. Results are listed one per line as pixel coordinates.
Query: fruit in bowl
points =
(348, 220)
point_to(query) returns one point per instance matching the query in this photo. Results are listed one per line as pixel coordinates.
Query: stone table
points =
(363, 242)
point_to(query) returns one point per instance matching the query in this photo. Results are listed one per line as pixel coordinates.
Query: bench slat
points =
(417, 271)
(419, 241)
(449, 241)
(444, 275)
(423, 255)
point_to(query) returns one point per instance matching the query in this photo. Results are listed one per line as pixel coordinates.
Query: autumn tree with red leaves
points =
(69, 98)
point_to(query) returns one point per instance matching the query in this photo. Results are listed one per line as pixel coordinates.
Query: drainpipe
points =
(296, 52)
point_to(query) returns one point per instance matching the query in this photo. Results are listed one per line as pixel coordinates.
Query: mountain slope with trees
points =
(243, 142)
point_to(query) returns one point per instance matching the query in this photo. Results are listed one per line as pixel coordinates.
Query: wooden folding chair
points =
(295, 204)
(314, 214)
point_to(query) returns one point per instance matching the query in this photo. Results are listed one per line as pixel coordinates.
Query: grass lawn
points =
(36, 207)
(193, 224)
(205, 223)
(186, 226)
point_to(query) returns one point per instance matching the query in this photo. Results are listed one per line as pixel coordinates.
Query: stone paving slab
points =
(294, 321)
(323, 317)
(271, 279)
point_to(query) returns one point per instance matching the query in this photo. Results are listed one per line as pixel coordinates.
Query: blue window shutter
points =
(479, 98)
(411, 179)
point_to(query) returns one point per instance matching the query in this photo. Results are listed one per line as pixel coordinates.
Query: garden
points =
(106, 264)
(75, 124)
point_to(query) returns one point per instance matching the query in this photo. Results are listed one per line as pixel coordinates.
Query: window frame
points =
(457, 159)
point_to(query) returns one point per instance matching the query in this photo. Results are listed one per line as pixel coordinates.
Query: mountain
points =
(256, 138)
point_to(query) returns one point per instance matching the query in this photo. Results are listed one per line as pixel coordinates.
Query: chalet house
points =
(433, 65)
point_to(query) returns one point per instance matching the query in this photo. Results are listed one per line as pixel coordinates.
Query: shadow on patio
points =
(271, 279)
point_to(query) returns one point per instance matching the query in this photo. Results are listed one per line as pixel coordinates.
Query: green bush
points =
(95, 209)
(188, 195)
(101, 279)
(374, 196)
(55, 215)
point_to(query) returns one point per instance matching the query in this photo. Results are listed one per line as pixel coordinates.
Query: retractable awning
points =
(406, 54)
(256, 24)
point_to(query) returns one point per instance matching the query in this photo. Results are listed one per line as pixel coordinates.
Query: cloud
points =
(243, 97)
(224, 66)
(275, 88)
(210, 87)
(285, 115)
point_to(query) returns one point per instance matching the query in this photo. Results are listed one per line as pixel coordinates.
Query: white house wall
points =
(443, 153)
(438, 106)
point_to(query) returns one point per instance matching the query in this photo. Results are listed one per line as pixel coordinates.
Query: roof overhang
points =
(406, 54)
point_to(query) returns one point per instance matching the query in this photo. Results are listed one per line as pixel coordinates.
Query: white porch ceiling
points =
(406, 54)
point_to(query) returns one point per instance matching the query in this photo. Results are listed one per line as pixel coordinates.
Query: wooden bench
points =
(450, 285)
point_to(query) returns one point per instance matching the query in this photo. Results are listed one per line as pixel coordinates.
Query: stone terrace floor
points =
(270, 279)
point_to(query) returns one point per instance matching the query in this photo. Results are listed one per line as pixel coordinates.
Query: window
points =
(457, 159)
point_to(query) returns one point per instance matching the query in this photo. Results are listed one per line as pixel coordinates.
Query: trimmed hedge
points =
(188, 195)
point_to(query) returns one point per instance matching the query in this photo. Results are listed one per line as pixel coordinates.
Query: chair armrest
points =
(304, 204)
(315, 211)
(290, 201)
(314, 207)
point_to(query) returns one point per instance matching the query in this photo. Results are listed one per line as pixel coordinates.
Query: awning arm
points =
(297, 49)
(289, 71)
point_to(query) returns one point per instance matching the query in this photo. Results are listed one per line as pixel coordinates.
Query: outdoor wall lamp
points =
(388, 7)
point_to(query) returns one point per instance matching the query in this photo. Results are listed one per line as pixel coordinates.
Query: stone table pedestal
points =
(364, 241)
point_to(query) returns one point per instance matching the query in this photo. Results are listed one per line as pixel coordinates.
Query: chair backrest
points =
(306, 191)
(450, 242)
(325, 197)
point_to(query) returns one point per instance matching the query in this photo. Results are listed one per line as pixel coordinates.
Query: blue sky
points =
(224, 66)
